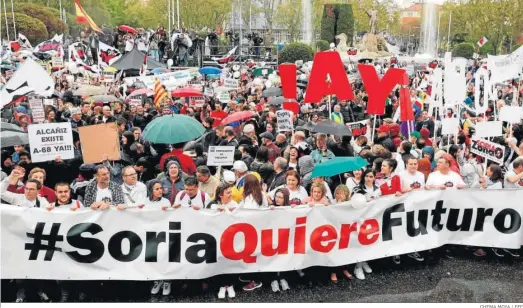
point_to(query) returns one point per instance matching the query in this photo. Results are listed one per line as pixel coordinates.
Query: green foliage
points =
(294, 52)
(32, 28)
(322, 45)
(465, 50)
(52, 22)
(487, 49)
(337, 19)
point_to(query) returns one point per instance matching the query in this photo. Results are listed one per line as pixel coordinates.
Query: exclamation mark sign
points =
(288, 80)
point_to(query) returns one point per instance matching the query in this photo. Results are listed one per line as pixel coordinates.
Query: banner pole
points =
(373, 129)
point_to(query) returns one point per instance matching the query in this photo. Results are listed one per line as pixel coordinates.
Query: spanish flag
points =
(83, 18)
(159, 93)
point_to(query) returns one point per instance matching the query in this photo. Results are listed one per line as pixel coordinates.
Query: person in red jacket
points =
(186, 162)
(390, 184)
(39, 175)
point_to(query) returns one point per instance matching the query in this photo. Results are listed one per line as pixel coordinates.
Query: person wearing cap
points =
(384, 139)
(229, 177)
(274, 150)
(240, 170)
(207, 182)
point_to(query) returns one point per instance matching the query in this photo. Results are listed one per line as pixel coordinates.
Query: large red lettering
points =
(323, 242)
(288, 80)
(299, 235)
(377, 89)
(328, 63)
(406, 113)
(250, 240)
(282, 243)
(369, 232)
(346, 230)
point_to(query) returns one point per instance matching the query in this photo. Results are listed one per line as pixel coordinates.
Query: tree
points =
(53, 23)
(337, 18)
(294, 52)
(32, 28)
(465, 50)
(289, 16)
(269, 10)
(322, 45)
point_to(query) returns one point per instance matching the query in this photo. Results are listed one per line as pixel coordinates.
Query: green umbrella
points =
(262, 71)
(174, 128)
(338, 165)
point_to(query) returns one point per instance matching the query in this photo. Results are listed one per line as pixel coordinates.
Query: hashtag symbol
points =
(36, 245)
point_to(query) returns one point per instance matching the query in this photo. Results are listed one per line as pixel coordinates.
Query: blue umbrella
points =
(210, 70)
(338, 165)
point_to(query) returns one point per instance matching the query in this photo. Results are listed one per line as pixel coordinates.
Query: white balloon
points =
(332, 45)
(257, 81)
(358, 201)
(236, 75)
(170, 63)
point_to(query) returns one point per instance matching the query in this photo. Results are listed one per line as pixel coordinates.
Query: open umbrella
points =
(276, 100)
(338, 165)
(331, 127)
(12, 135)
(104, 98)
(272, 92)
(210, 70)
(186, 92)
(126, 28)
(237, 116)
(174, 128)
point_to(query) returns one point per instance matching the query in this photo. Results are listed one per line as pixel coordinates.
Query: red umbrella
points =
(186, 92)
(127, 29)
(237, 116)
(147, 92)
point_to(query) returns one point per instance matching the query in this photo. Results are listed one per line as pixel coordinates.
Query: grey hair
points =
(281, 163)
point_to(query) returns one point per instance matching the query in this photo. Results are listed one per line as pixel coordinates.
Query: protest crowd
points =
(274, 153)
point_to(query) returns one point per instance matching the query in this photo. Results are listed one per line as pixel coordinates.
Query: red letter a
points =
(378, 90)
(328, 63)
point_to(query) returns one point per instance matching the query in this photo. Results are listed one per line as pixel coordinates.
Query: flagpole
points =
(13, 12)
(6, 24)
(448, 35)
(178, 12)
(438, 39)
(169, 16)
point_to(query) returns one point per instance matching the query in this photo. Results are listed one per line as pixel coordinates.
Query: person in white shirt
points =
(134, 192)
(129, 44)
(253, 196)
(514, 177)
(223, 199)
(443, 177)
(493, 179)
(297, 193)
(30, 196)
(411, 178)
(63, 198)
(191, 196)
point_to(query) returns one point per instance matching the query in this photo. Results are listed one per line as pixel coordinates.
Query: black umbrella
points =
(272, 92)
(277, 100)
(309, 125)
(332, 128)
(12, 135)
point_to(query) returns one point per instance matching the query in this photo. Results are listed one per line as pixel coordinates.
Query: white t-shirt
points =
(250, 203)
(148, 204)
(414, 181)
(129, 44)
(230, 205)
(450, 180)
(517, 184)
(296, 197)
(104, 194)
(187, 201)
(351, 183)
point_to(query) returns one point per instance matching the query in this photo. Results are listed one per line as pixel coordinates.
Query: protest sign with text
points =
(50, 140)
(37, 109)
(487, 149)
(358, 128)
(151, 244)
(220, 156)
(284, 119)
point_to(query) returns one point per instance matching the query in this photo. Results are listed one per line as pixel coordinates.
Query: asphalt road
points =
(462, 279)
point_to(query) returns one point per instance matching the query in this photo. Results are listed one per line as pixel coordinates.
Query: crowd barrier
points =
(151, 244)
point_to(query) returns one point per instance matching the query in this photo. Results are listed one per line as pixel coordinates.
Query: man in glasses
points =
(29, 198)
(134, 192)
(191, 196)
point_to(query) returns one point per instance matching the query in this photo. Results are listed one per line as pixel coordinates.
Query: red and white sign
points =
(482, 41)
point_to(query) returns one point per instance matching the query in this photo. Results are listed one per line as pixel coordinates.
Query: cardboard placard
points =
(47, 141)
(220, 156)
(488, 149)
(488, 129)
(98, 141)
(37, 109)
(284, 119)
(450, 126)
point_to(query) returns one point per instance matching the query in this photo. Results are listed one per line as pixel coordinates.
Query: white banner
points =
(47, 141)
(151, 244)
(505, 67)
(167, 79)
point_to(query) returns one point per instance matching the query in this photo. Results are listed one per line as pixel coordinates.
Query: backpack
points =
(202, 195)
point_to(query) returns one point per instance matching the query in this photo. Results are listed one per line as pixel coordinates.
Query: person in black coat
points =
(384, 139)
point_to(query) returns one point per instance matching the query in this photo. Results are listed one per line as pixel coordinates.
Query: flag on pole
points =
(83, 18)
(159, 93)
(21, 43)
(482, 41)
(226, 58)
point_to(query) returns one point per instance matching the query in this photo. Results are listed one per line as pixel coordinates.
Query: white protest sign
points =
(47, 141)
(450, 126)
(488, 129)
(505, 67)
(284, 118)
(455, 83)
(230, 83)
(224, 97)
(49, 102)
(220, 156)
(135, 102)
(108, 77)
(510, 114)
(37, 109)
(487, 149)
(208, 91)
(57, 62)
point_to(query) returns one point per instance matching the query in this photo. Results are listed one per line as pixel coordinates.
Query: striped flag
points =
(159, 93)
(83, 18)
